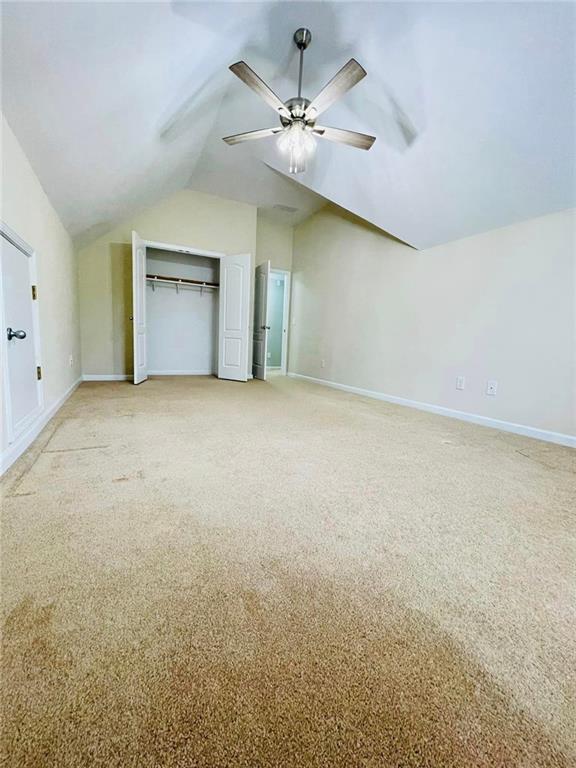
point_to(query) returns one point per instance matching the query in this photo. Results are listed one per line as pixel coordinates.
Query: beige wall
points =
(274, 241)
(388, 318)
(25, 208)
(105, 267)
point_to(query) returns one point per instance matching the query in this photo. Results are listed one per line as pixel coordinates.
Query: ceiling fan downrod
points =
(302, 38)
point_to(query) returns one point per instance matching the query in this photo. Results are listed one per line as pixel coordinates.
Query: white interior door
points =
(139, 308)
(261, 327)
(234, 317)
(22, 392)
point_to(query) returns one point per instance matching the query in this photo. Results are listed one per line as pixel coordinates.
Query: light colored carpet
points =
(205, 573)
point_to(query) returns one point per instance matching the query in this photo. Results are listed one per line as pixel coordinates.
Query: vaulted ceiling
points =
(119, 104)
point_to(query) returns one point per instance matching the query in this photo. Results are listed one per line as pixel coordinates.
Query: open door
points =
(234, 317)
(261, 327)
(139, 307)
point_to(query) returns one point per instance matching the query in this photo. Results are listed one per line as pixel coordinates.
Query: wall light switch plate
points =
(460, 382)
(491, 388)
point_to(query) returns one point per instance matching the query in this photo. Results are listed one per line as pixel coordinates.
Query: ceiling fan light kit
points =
(298, 130)
(298, 143)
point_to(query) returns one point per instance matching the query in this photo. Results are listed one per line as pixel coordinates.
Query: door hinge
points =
(38, 372)
(34, 293)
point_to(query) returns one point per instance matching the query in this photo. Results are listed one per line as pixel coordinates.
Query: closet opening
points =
(181, 313)
(190, 311)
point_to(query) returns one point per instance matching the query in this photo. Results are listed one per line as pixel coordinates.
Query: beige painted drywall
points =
(105, 267)
(274, 241)
(387, 318)
(26, 209)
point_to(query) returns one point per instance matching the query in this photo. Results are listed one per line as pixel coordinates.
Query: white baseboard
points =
(182, 373)
(25, 440)
(485, 421)
(128, 376)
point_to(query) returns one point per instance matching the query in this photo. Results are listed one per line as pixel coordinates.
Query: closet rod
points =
(181, 281)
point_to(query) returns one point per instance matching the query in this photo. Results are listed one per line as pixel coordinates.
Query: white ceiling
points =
(119, 104)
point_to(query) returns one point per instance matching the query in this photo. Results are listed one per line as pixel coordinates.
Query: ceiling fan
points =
(298, 129)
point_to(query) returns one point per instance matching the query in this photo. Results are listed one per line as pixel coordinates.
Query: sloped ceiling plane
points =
(119, 104)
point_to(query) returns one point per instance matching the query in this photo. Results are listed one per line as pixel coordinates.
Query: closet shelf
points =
(181, 281)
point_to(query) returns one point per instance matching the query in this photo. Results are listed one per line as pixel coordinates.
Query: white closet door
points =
(22, 390)
(139, 307)
(261, 327)
(234, 314)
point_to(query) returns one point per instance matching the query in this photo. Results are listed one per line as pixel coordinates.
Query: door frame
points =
(27, 250)
(191, 250)
(182, 249)
(285, 315)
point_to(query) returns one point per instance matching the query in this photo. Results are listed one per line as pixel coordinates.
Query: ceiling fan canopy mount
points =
(302, 38)
(298, 115)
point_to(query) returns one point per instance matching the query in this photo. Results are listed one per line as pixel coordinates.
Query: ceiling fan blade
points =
(252, 80)
(346, 78)
(354, 139)
(250, 135)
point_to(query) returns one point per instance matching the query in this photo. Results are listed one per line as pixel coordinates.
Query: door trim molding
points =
(190, 250)
(13, 237)
(440, 410)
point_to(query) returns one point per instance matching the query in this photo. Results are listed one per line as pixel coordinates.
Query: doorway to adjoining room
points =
(277, 320)
(271, 313)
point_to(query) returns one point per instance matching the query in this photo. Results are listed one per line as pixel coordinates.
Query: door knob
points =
(265, 327)
(15, 334)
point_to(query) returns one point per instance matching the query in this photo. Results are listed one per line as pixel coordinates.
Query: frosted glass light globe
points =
(298, 143)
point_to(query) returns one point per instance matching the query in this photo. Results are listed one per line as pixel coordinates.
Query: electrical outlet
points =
(269, 355)
(71, 361)
(460, 382)
(322, 363)
(491, 388)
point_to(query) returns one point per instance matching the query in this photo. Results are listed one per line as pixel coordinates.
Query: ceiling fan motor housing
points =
(297, 106)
